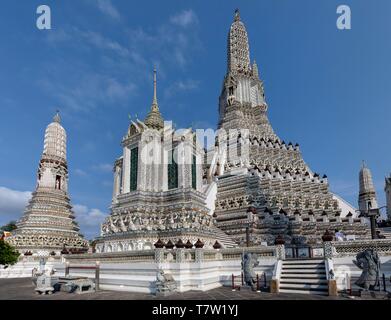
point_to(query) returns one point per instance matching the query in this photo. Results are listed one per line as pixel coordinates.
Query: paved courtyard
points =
(23, 289)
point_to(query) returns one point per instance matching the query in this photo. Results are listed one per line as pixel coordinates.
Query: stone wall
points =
(343, 253)
(196, 269)
(24, 267)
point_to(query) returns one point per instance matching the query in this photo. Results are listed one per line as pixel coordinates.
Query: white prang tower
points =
(367, 196)
(48, 223)
(387, 190)
(265, 189)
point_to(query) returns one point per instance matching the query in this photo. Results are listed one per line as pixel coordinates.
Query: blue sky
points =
(327, 89)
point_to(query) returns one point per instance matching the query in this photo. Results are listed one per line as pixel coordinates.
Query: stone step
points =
(303, 276)
(310, 280)
(303, 261)
(308, 271)
(315, 292)
(304, 267)
(300, 286)
(224, 239)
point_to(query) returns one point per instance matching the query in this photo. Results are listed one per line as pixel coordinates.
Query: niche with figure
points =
(58, 182)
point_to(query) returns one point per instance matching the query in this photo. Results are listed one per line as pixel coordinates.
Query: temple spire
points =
(57, 117)
(255, 69)
(237, 15)
(238, 47)
(367, 198)
(48, 223)
(55, 139)
(154, 102)
(154, 119)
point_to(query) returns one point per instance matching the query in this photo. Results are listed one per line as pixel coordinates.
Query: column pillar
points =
(199, 255)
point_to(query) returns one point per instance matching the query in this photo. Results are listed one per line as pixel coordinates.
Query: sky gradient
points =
(327, 89)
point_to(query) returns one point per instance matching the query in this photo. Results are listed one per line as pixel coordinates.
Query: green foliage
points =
(8, 254)
(10, 226)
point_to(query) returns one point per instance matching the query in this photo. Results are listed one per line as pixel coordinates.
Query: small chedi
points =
(367, 198)
(158, 193)
(48, 223)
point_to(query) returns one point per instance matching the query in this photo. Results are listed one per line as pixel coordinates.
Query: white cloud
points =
(13, 202)
(83, 87)
(80, 172)
(102, 42)
(89, 91)
(104, 167)
(184, 18)
(87, 217)
(80, 38)
(58, 35)
(107, 7)
(89, 220)
(181, 86)
(174, 44)
(116, 90)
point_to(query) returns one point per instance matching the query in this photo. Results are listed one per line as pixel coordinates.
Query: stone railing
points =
(108, 257)
(352, 248)
(175, 255)
(37, 258)
(204, 255)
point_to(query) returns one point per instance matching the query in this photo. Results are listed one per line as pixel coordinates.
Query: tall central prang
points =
(264, 188)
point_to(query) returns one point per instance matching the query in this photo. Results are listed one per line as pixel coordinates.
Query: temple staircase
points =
(224, 238)
(385, 232)
(306, 276)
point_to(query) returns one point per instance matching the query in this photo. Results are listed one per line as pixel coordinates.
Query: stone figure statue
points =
(165, 283)
(160, 223)
(106, 228)
(42, 263)
(112, 226)
(131, 225)
(122, 224)
(250, 261)
(42, 279)
(368, 261)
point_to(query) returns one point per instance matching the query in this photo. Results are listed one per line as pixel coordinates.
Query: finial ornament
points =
(154, 118)
(154, 102)
(57, 117)
(237, 15)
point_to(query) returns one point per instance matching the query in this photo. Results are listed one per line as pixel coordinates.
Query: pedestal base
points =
(364, 294)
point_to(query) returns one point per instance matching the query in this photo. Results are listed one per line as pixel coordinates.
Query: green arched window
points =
(194, 173)
(133, 168)
(172, 173)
